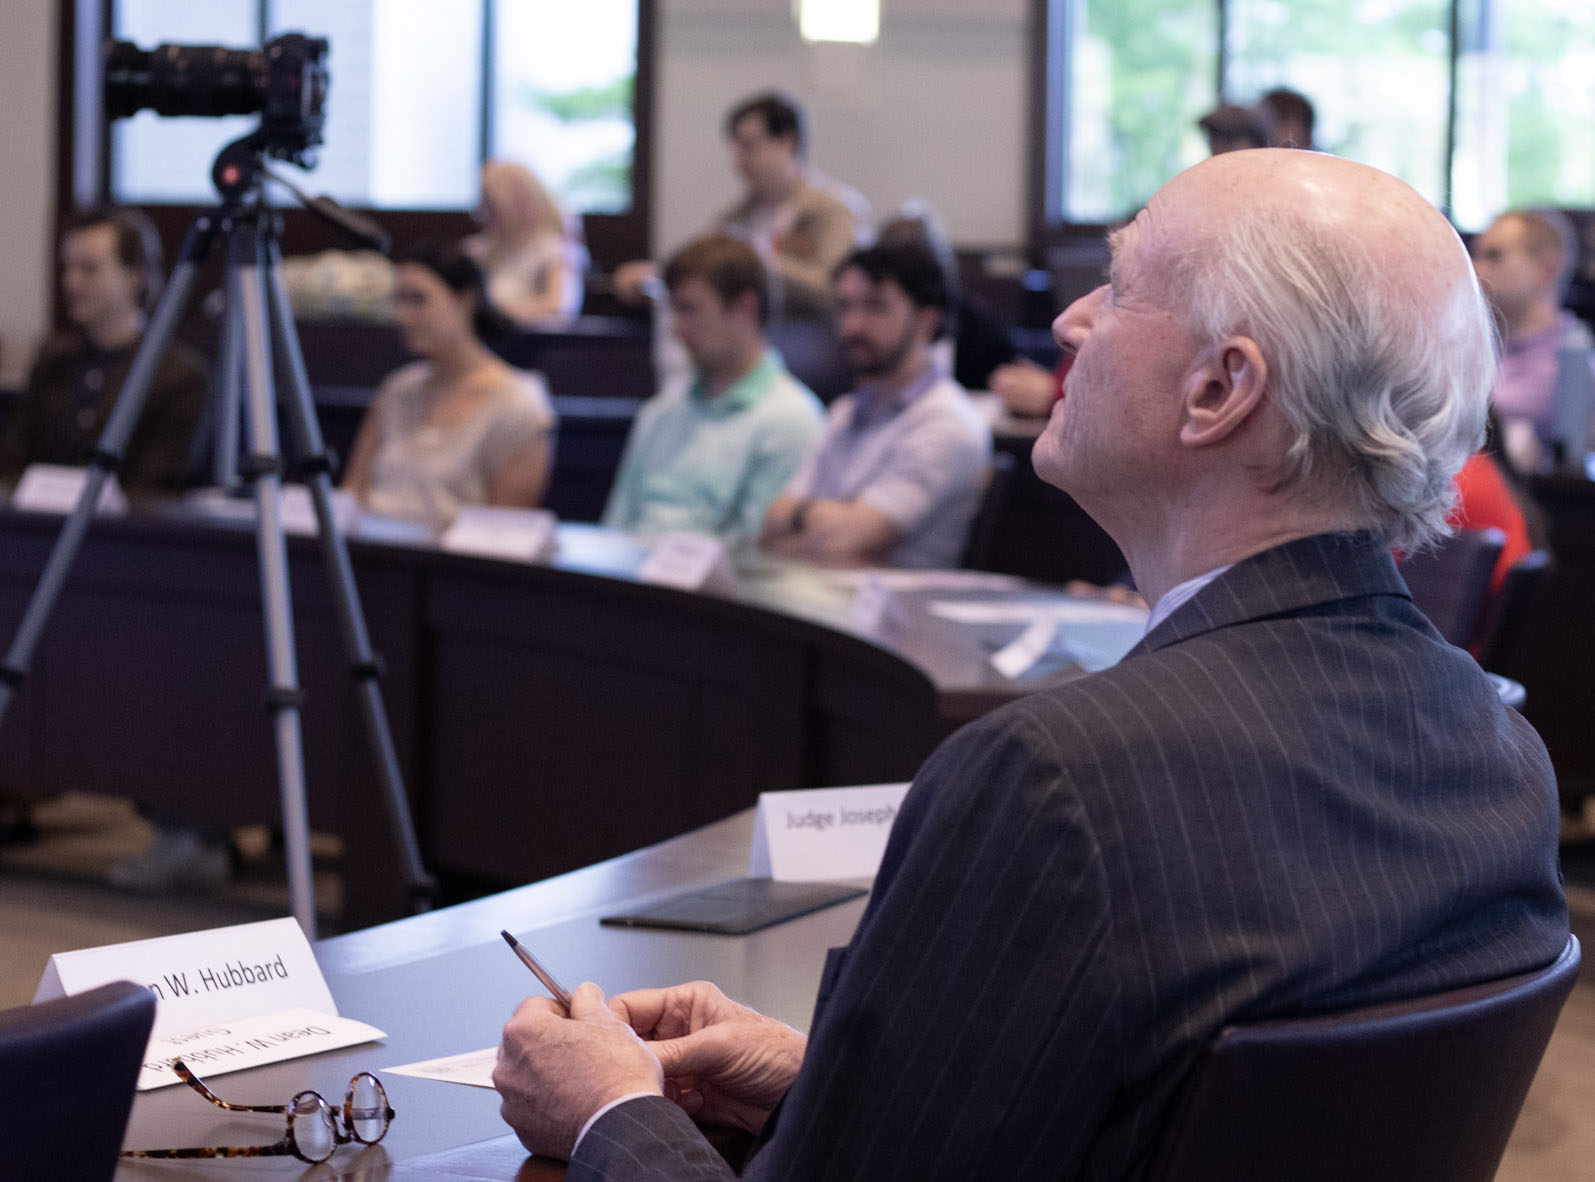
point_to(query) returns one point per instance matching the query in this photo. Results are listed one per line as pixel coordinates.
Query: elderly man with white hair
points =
(1291, 796)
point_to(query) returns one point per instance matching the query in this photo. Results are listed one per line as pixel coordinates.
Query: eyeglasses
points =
(315, 1128)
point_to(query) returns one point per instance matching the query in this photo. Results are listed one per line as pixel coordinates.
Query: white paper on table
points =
(500, 531)
(298, 511)
(1023, 611)
(472, 1068)
(923, 580)
(56, 488)
(688, 562)
(220, 1047)
(1018, 657)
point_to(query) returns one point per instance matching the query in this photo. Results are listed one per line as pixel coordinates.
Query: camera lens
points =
(205, 80)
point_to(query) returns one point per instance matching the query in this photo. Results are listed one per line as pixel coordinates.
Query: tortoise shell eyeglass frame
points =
(308, 1104)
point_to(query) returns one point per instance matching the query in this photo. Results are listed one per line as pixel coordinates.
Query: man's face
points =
(707, 328)
(763, 161)
(1511, 275)
(878, 325)
(1118, 420)
(95, 286)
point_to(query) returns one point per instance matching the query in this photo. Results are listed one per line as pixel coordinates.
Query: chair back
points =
(1451, 581)
(1509, 609)
(68, 1069)
(1428, 1088)
(986, 526)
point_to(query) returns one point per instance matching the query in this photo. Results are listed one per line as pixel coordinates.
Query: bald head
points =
(1365, 308)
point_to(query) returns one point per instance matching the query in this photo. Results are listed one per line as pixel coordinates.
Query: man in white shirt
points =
(898, 477)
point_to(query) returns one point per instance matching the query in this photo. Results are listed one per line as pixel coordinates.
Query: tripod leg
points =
(247, 302)
(107, 455)
(228, 400)
(364, 665)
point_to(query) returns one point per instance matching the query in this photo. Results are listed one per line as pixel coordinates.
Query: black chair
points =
(1509, 609)
(1424, 1089)
(984, 530)
(68, 1069)
(1450, 581)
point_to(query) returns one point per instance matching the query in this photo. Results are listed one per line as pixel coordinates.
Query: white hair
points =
(1386, 398)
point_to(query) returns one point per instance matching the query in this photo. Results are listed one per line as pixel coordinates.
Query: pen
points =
(561, 994)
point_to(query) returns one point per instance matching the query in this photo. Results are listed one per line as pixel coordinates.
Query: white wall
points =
(27, 178)
(937, 108)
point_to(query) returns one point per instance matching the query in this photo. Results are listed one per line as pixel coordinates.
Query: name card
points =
(823, 833)
(255, 988)
(299, 511)
(498, 531)
(55, 488)
(688, 562)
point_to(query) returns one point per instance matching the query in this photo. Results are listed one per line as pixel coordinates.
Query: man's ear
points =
(1222, 391)
(929, 322)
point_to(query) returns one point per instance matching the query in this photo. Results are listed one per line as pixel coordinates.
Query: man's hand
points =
(632, 280)
(554, 1071)
(724, 1063)
(1025, 388)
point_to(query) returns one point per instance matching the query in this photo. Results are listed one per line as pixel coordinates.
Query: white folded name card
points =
(299, 511)
(497, 531)
(55, 488)
(211, 988)
(823, 833)
(219, 1047)
(689, 562)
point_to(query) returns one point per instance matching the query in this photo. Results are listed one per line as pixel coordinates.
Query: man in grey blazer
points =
(1291, 796)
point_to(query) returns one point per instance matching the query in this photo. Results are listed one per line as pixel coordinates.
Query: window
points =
(421, 92)
(1133, 77)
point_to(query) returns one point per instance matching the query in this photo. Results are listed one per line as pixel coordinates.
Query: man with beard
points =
(897, 478)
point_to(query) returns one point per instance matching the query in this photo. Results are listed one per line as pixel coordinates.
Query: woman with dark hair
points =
(459, 426)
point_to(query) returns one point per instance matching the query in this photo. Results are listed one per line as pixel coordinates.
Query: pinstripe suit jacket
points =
(1291, 796)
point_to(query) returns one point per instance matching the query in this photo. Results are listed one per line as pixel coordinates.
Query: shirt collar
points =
(874, 403)
(743, 392)
(1177, 596)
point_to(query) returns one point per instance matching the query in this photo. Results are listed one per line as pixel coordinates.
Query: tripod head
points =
(239, 174)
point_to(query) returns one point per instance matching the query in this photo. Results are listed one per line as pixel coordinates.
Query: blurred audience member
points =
(709, 455)
(457, 427)
(1231, 128)
(1546, 381)
(1293, 117)
(802, 224)
(110, 276)
(535, 265)
(976, 342)
(897, 478)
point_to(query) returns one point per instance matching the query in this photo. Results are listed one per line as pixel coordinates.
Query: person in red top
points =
(1485, 499)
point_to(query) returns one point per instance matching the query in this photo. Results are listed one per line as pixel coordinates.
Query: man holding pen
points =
(1291, 796)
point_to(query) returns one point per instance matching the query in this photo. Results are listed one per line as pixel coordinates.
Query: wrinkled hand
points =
(555, 1070)
(723, 1062)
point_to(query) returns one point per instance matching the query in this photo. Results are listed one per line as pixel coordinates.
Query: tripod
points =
(257, 318)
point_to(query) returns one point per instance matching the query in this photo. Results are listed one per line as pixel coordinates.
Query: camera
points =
(285, 82)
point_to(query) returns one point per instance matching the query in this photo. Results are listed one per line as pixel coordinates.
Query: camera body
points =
(285, 82)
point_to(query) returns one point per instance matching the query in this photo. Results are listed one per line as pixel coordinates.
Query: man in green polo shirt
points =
(710, 455)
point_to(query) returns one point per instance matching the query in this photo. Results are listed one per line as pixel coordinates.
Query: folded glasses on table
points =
(315, 1127)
